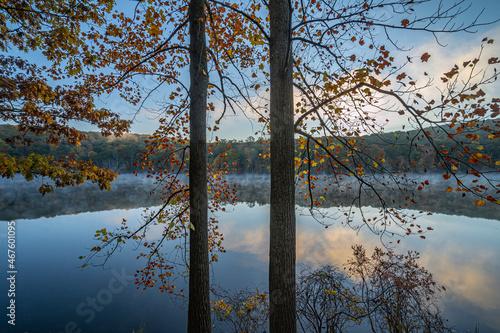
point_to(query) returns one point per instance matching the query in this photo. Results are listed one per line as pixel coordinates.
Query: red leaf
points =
(405, 22)
(401, 76)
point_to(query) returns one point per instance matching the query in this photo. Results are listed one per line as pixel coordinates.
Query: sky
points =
(459, 47)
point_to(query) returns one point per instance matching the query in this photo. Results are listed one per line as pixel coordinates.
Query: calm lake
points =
(53, 295)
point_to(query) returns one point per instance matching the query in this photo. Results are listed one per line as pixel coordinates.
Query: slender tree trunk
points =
(282, 231)
(199, 316)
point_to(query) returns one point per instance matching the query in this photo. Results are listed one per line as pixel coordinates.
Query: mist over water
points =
(131, 191)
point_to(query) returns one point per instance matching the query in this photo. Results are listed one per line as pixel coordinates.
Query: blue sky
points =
(460, 46)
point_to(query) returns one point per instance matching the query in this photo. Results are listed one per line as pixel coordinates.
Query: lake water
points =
(53, 295)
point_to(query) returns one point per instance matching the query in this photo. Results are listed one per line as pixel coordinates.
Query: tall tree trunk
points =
(282, 230)
(199, 316)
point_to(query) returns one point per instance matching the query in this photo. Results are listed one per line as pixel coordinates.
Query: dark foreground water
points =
(53, 295)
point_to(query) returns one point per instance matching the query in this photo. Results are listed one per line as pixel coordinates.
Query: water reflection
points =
(461, 252)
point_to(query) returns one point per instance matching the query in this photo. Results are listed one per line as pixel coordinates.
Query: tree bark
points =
(199, 316)
(282, 227)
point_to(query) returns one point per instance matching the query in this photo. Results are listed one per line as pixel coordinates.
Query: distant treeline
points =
(400, 151)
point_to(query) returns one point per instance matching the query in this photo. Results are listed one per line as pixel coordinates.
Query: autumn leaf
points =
(493, 60)
(405, 22)
(401, 76)
(425, 57)
(480, 203)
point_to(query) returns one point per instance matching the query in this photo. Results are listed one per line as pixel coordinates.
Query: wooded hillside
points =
(249, 156)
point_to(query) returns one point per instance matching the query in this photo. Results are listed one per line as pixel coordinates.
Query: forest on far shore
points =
(402, 151)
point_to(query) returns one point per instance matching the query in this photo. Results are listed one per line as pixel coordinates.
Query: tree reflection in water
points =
(384, 292)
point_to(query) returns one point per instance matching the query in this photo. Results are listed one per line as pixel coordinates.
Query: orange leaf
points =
(405, 22)
(480, 203)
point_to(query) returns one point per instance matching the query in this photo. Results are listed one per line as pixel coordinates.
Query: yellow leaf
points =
(375, 164)
(480, 203)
